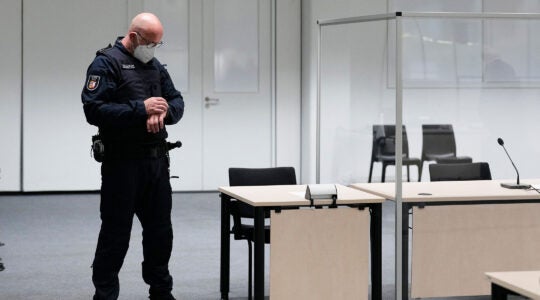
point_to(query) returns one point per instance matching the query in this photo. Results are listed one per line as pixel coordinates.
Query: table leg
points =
(225, 246)
(405, 251)
(376, 248)
(498, 292)
(259, 239)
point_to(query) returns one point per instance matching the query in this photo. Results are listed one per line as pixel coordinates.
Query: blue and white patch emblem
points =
(93, 82)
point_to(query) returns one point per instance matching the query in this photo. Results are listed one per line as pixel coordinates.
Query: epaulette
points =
(102, 50)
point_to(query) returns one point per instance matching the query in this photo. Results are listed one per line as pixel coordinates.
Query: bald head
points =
(147, 23)
(147, 26)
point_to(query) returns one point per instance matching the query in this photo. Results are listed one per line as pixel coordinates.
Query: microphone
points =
(512, 185)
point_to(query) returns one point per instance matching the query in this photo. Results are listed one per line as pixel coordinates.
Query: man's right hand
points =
(156, 105)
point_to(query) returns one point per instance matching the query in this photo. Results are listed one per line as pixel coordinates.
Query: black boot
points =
(162, 297)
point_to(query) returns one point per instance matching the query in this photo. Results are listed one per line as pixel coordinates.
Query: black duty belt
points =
(116, 151)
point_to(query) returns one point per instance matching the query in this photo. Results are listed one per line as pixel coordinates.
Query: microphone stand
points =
(516, 185)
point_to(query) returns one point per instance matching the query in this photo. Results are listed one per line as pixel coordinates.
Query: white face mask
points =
(144, 53)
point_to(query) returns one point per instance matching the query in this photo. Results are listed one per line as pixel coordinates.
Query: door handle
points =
(210, 101)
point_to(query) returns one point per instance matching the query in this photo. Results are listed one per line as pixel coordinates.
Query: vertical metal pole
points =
(21, 123)
(259, 240)
(399, 159)
(225, 246)
(273, 89)
(318, 138)
(376, 251)
(404, 251)
(499, 293)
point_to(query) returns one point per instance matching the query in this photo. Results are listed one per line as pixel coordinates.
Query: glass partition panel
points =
(479, 75)
(476, 74)
(437, 5)
(354, 96)
(514, 6)
(440, 52)
(465, 79)
(511, 52)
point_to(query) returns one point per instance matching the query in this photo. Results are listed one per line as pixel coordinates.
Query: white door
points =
(219, 55)
(237, 106)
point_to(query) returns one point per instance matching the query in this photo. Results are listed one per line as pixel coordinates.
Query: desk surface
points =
(293, 195)
(525, 283)
(450, 190)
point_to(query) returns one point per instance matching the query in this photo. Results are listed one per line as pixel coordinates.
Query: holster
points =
(97, 148)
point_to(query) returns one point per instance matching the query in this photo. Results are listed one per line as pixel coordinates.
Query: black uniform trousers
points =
(134, 187)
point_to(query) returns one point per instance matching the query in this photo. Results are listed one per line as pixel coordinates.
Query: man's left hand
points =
(155, 122)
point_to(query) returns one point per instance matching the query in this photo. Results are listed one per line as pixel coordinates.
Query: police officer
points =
(129, 95)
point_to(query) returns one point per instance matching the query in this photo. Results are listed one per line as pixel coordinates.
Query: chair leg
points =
(2, 268)
(408, 176)
(383, 176)
(420, 168)
(250, 270)
(370, 171)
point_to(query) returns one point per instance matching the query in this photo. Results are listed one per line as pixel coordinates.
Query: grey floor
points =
(50, 242)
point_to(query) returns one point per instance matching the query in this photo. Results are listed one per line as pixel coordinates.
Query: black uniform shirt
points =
(113, 97)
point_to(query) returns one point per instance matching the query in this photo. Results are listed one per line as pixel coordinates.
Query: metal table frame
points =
(375, 210)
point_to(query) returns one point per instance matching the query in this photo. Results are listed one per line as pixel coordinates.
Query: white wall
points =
(57, 51)
(10, 95)
(288, 69)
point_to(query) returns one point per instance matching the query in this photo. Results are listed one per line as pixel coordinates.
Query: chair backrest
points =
(456, 172)
(262, 176)
(438, 139)
(259, 176)
(384, 141)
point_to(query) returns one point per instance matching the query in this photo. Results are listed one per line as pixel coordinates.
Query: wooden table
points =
(273, 198)
(462, 229)
(524, 283)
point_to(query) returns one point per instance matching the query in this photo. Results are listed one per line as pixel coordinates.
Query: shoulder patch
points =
(92, 83)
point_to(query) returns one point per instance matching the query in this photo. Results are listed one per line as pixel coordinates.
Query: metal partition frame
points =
(397, 16)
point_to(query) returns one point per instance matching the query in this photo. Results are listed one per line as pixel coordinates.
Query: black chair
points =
(1, 264)
(240, 210)
(439, 144)
(460, 171)
(383, 150)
